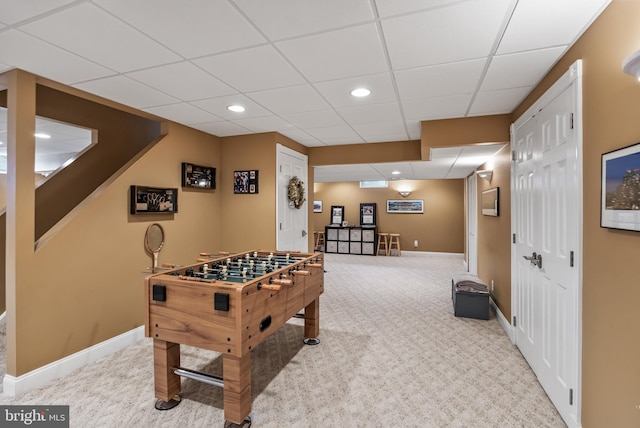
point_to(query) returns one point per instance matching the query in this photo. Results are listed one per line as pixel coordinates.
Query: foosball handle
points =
(301, 272)
(280, 281)
(314, 265)
(273, 287)
(202, 260)
(169, 265)
(223, 253)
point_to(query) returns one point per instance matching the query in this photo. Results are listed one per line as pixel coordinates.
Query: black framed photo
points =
(202, 177)
(153, 200)
(337, 214)
(490, 202)
(245, 181)
(368, 214)
(620, 191)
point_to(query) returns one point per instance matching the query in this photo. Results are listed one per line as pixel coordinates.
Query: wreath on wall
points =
(296, 192)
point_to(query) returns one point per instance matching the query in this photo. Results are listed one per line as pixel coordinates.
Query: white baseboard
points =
(16, 386)
(504, 323)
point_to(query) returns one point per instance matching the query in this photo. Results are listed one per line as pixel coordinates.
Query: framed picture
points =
(153, 200)
(337, 214)
(202, 177)
(368, 214)
(405, 206)
(490, 202)
(620, 202)
(317, 206)
(245, 181)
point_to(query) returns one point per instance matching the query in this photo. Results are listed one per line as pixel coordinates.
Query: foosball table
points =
(228, 303)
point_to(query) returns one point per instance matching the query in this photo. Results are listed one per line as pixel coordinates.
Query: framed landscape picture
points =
(405, 206)
(620, 189)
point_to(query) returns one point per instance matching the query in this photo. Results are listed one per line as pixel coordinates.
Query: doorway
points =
(547, 240)
(292, 222)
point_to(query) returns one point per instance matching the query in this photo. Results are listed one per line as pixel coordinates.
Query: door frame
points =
(472, 217)
(571, 76)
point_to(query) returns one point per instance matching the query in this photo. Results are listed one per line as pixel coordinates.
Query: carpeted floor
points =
(392, 355)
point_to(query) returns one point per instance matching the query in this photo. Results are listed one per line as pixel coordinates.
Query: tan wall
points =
(611, 119)
(439, 229)
(494, 243)
(364, 153)
(249, 220)
(88, 285)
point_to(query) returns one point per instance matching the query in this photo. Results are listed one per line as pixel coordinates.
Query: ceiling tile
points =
(293, 99)
(16, 11)
(183, 113)
(497, 102)
(23, 51)
(264, 124)
(562, 27)
(280, 19)
(415, 132)
(94, 34)
(338, 92)
(394, 7)
(332, 133)
(218, 106)
(126, 91)
(439, 80)
(369, 130)
(338, 54)
(184, 81)
(436, 108)
(301, 137)
(461, 31)
(252, 69)
(445, 152)
(520, 69)
(374, 113)
(222, 129)
(314, 119)
(342, 141)
(192, 29)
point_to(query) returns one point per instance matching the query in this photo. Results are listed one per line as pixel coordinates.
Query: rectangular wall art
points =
(245, 181)
(153, 200)
(620, 199)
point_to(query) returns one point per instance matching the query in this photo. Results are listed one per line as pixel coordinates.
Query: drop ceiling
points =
(292, 63)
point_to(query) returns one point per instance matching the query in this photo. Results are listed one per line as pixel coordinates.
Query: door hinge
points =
(571, 259)
(571, 121)
(280, 226)
(514, 321)
(571, 396)
(514, 238)
(514, 156)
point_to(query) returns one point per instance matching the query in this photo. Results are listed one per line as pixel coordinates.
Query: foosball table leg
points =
(236, 372)
(166, 355)
(312, 322)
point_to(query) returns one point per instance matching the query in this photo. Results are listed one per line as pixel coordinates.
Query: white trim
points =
(504, 323)
(17, 386)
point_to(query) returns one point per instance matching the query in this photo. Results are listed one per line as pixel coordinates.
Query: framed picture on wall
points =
(620, 189)
(490, 202)
(368, 214)
(245, 182)
(153, 200)
(405, 206)
(317, 206)
(203, 177)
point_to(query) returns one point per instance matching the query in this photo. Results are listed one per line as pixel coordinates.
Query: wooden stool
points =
(394, 243)
(319, 239)
(383, 243)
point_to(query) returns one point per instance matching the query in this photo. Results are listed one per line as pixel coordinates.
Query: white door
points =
(291, 222)
(472, 224)
(547, 225)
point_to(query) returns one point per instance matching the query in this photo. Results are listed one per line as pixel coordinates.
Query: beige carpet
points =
(392, 355)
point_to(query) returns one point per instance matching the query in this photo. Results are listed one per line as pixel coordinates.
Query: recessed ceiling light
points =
(236, 108)
(396, 173)
(41, 135)
(360, 92)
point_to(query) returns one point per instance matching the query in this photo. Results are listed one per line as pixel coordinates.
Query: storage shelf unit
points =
(351, 240)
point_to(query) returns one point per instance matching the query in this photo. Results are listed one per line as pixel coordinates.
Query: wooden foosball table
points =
(228, 304)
